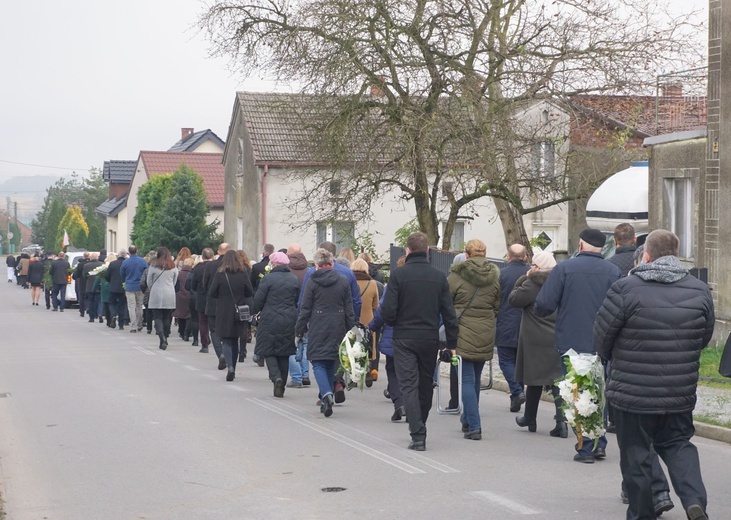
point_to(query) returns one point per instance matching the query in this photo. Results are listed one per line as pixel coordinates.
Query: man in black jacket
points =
(59, 276)
(209, 272)
(117, 295)
(10, 262)
(257, 270)
(196, 288)
(624, 241)
(417, 296)
(653, 326)
(507, 325)
(79, 284)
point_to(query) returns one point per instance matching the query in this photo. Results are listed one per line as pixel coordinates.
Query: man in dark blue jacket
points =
(131, 270)
(507, 326)
(653, 326)
(418, 294)
(576, 289)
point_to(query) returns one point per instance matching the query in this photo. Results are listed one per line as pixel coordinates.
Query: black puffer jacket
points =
(624, 259)
(276, 298)
(327, 306)
(653, 325)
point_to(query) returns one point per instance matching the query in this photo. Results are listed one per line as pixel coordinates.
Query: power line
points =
(43, 166)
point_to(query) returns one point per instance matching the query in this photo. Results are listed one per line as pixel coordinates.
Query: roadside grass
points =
(710, 359)
(704, 419)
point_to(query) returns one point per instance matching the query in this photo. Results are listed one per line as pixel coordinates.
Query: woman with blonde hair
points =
(537, 363)
(348, 254)
(475, 288)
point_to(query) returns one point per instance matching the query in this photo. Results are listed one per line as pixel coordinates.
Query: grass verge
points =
(701, 418)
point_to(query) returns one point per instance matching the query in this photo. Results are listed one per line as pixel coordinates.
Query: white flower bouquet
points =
(99, 270)
(354, 354)
(582, 391)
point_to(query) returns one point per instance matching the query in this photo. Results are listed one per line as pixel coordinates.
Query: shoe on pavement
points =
(306, 381)
(474, 435)
(523, 423)
(195, 343)
(279, 388)
(600, 453)
(417, 445)
(230, 375)
(662, 503)
(387, 394)
(561, 430)
(695, 512)
(294, 384)
(516, 402)
(221, 363)
(586, 459)
(326, 406)
(132, 331)
(368, 379)
(203, 350)
(55, 309)
(339, 393)
(398, 414)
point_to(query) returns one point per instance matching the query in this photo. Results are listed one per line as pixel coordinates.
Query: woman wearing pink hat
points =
(276, 299)
(537, 363)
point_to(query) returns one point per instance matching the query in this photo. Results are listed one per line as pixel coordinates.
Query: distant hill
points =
(28, 191)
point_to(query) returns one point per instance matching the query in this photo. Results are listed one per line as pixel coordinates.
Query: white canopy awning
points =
(621, 198)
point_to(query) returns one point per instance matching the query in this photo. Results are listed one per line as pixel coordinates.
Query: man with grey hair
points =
(653, 325)
(417, 297)
(575, 290)
(326, 314)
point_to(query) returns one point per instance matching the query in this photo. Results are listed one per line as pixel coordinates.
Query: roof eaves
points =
(674, 137)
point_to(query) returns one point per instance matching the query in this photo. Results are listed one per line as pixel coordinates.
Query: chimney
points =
(672, 90)
(186, 132)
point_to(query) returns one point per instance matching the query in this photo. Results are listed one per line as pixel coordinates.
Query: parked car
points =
(71, 296)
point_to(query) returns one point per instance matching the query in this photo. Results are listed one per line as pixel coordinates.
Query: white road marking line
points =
(188, 367)
(408, 468)
(211, 377)
(509, 505)
(144, 351)
(238, 388)
(420, 458)
(172, 359)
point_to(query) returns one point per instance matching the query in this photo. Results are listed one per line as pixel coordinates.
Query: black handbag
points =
(724, 367)
(242, 313)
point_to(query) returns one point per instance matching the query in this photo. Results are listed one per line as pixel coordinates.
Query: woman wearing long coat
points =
(537, 362)
(231, 287)
(161, 278)
(276, 298)
(182, 299)
(475, 288)
(327, 312)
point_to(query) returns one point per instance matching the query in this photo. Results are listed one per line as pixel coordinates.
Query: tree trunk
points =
(512, 222)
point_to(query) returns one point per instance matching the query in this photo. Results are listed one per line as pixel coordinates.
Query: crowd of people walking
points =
(640, 311)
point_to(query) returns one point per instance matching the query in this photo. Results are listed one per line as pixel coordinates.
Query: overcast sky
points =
(84, 81)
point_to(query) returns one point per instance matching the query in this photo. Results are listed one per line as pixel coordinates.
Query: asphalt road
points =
(100, 424)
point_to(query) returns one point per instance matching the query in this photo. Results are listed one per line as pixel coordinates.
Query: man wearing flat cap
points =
(576, 289)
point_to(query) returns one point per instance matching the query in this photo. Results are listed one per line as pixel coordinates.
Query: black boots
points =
(561, 430)
(523, 422)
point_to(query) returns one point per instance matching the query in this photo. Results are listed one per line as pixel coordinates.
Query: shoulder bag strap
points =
(231, 291)
(365, 288)
(468, 304)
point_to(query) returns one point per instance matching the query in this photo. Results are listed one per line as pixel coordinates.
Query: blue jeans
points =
(324, 370)
(299, 370)
(471, 374)
(59, 295)
(506, 360)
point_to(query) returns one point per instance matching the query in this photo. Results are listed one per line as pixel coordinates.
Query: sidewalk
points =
(713, 403)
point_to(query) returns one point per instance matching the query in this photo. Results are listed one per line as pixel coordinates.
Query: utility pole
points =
(16, 223)
(7, 231)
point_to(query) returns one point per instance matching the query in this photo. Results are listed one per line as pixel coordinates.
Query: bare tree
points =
(419, 92)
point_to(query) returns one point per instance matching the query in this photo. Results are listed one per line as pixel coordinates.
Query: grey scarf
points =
(666, 269)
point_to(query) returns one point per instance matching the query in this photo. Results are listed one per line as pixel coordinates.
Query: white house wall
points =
(208, 147)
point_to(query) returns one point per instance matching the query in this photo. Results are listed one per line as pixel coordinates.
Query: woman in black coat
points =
(35, 278)
(276, 298)
(538, 364)
(230, 287)
(327, 311)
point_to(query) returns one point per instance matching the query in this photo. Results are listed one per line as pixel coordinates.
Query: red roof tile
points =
(207, 165)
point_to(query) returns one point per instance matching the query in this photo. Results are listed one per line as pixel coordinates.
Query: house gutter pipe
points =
(264, 204)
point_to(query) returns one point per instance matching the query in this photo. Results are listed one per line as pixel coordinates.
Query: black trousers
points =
(670, 435)
(415, 363)
(278, 367)
(162, 319)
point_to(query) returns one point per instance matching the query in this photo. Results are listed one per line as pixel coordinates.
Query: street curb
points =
(707, 431)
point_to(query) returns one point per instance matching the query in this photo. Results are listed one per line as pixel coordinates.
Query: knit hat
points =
(278, 258)
(593, 237)
(544, 260)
